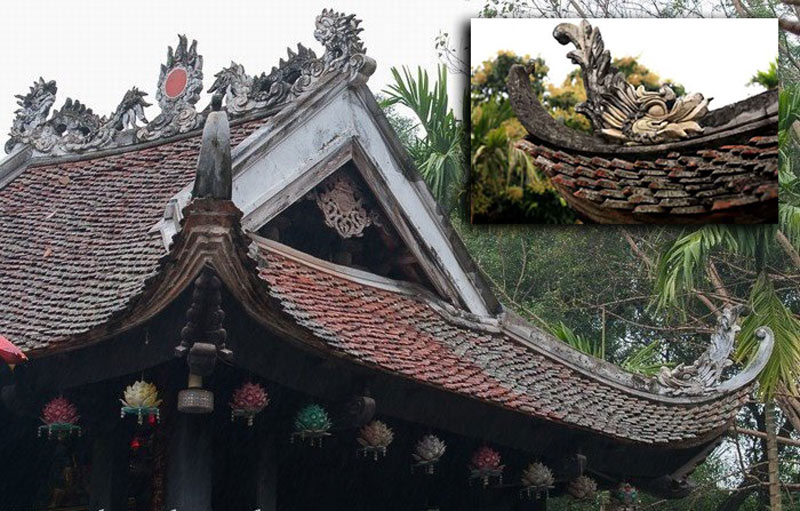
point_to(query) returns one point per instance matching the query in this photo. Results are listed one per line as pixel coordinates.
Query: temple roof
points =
(403, 330)
(98, 241)
(653, 157)
(79, 238)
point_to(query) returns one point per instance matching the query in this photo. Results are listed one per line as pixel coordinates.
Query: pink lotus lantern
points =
(485, 465)
(60, 416)
(247, 401)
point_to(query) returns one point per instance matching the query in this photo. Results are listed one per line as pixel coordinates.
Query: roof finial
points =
(213, 176)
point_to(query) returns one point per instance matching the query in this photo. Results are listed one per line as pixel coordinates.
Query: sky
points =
(97, 50)
(716, 57)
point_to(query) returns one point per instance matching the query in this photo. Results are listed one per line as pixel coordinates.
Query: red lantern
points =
(135, 444)
(151, 420)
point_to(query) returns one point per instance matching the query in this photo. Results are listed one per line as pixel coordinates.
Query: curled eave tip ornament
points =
(618, 110)
(704, 375)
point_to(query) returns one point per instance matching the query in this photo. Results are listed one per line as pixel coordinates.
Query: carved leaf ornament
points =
(617, 109)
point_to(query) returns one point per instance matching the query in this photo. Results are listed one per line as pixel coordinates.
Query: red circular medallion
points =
(175, 82)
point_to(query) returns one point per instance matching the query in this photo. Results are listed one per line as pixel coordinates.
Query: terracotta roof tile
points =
(403, 333)
(701, 176)
(76, 241)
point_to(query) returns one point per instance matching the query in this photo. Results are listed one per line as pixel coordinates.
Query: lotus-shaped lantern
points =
(582, 488)
(247, 401)
(428, 451)
(60, 416)
(536, 478)
(312, 423)
(485, 465)
(374, 438)
(140, 399)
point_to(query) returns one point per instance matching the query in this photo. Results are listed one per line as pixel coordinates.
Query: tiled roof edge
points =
(519, 330)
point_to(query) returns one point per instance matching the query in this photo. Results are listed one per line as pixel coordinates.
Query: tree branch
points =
(792, 26)
(763, 436)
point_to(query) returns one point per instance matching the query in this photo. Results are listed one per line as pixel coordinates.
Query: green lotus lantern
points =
(313, 424)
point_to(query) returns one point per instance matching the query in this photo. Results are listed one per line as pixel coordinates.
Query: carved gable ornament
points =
(342, 205)
(617, 109)
(74, 128)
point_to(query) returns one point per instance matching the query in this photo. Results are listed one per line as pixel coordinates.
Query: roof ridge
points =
(76, 129)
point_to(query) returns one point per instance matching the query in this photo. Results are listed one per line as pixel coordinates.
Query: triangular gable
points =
(341, 123)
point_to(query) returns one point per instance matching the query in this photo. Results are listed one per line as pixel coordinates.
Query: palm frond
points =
(767, 309)
(646, 360)
(438, 155)
(681, 268)
(580, 343)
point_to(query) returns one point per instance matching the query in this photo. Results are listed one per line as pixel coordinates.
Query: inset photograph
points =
(620, 121)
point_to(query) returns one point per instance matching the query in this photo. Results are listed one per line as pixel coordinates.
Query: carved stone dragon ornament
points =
(75, 128)
(704, 375)
(344, 53)
(245, 93)
(617, 109)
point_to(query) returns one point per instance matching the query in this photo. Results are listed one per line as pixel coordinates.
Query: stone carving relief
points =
(342, 206)
(244, 94)
(72, 128)
(179, 86)
(344, 50)
(617, 109)
(76, 128)
(30, 117)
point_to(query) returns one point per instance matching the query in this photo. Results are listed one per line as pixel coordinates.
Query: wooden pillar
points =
(266, 472)
(109, 476)
(189, 474)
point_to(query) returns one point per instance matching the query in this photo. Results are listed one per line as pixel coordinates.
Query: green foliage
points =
(489, 78)
(580, 343)
(767, 308)
(767, 79)
(505, 184)
(681, 267)
(789, 163)
(646, 360)
(438, 154)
